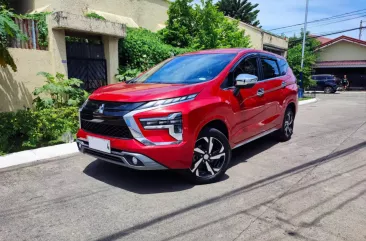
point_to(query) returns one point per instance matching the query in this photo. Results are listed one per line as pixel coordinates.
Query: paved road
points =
(311, 188)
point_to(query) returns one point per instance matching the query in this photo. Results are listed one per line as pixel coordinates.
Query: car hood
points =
(122, 92)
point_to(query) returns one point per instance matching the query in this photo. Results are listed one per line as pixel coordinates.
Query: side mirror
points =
(244, 81)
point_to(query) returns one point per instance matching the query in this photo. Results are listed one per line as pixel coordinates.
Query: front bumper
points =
(178, 156)
(121, 158)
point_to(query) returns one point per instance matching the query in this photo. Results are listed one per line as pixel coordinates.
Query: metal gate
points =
(86, 61)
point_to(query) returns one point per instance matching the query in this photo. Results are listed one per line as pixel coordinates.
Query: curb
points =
(305, 102)
(37, 154)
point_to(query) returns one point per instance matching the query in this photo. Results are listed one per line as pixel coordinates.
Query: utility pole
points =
(360, 36)
(301, 92)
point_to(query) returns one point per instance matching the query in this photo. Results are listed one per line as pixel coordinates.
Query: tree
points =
(180, 24)
(8, 29)
(242, 10)
(201, 27)
(310, 57)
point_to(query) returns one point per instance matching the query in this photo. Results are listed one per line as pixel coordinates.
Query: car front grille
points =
(106, 118)
(119, 131)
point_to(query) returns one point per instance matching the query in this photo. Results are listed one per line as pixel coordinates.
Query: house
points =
(149, 14)
(264, 40)
(343, 56)
(321, 39)
(95, 61)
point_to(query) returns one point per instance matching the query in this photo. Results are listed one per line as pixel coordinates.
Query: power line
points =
(339, 21)
(323, 19)
(327, 34)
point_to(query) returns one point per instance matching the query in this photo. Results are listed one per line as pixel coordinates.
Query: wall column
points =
(111, 55)
(57, 47)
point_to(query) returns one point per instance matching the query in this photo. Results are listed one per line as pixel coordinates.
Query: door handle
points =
(260, 92)
(284, 84)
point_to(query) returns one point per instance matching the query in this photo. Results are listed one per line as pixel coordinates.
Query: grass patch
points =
(306, 98)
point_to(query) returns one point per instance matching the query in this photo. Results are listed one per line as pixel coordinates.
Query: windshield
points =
(187, 69)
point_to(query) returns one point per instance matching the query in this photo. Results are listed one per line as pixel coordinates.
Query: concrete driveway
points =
(311, 188)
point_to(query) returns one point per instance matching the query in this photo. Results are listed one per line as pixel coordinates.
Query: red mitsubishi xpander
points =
(190, 112)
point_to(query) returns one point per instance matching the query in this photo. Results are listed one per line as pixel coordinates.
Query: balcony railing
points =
(29, 28)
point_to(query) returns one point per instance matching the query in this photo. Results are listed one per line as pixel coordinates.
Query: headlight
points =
(167, 101)
(173, 123)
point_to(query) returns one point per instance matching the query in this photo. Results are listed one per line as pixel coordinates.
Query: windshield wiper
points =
(131, 81)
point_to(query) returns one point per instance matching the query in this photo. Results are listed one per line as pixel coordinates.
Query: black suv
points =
(325, 82)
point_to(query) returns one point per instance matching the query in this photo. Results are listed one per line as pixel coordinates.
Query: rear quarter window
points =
(283, 65)
(270, 68)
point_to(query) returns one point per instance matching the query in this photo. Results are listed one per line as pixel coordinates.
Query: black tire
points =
(328, 90)
(211, 157)
(285, 133)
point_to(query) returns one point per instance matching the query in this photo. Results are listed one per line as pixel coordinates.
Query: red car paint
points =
(244, 116)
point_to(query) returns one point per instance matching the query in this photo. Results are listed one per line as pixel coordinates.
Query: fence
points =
(29, 28)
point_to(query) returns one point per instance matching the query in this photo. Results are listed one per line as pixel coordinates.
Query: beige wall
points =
(16, 87)
(258, 37)
(276, 41)
(40, 3)
(111, 55)
(254, 33)
(145, 13)
(343, 51)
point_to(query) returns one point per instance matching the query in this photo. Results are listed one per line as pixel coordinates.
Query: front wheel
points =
(211, 157)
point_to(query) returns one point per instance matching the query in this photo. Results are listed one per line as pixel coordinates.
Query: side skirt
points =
(256, 137)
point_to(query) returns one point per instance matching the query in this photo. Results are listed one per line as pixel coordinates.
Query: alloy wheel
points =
(209, 157)
(328, 90)
(289, 124)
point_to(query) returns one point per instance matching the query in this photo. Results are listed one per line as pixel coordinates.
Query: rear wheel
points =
(328, 90)
(212, 154)
(285, 133)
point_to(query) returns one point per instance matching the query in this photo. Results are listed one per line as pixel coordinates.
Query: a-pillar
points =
(111, 55)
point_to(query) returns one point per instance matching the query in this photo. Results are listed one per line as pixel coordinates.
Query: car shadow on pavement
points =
(141, 182)
(147, 182)
(242, 154)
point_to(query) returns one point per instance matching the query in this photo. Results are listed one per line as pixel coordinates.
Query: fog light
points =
(134, 160)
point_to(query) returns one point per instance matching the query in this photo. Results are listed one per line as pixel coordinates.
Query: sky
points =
(280, 13)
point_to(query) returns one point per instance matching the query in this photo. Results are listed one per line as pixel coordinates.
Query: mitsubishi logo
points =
(100, 110)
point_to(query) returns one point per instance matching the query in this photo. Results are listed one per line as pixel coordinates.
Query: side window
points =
(246, 66)
(283, 66)
(270, 68)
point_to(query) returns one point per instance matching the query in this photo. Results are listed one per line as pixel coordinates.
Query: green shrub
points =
(29, 129)
(95, 16)
(201, 26)
(59, 92)
(8, 30)
(142, 49)
(125, 73)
